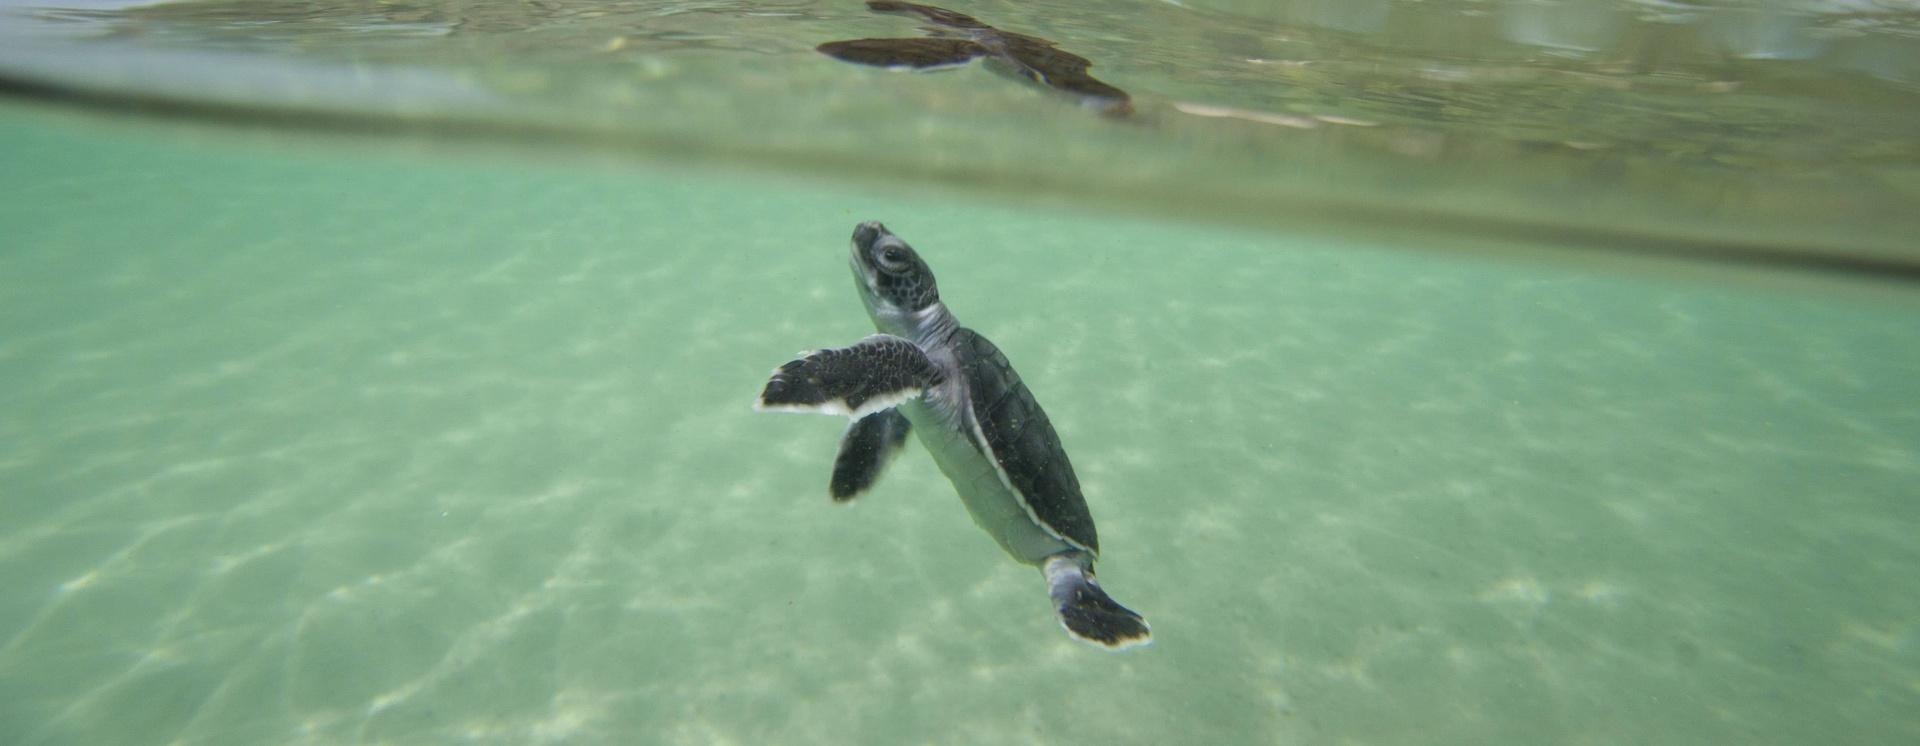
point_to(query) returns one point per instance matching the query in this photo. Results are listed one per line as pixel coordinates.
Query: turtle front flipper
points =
(904, 54)
(870, 444)
(878, 373)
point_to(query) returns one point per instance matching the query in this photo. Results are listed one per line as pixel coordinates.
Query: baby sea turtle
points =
(960, 38)
(927, 374)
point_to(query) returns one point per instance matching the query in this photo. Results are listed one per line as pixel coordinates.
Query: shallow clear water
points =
(333, 441)
(324, 447)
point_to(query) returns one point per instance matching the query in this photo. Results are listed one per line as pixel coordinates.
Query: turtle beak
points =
(861, 258)
(865, 234)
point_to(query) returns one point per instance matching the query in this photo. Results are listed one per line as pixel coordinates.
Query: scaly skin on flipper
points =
(878, 373)
(869, 444)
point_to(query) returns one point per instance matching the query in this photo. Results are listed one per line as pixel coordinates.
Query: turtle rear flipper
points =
(1088, 612)
(870, 443)
(877, 373)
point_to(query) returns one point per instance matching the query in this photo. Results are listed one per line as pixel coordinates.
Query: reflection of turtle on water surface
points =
(925, 373)
(960, 38)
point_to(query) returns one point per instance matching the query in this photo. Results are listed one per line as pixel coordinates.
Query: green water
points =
(322, 446)
(406, 398)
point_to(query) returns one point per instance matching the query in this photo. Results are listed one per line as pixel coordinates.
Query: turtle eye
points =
(893, 258)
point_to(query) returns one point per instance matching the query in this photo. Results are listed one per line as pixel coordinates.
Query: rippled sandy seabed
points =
(312, 447)
(387, 441)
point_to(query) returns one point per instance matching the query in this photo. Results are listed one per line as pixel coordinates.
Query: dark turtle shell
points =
(1022, 440)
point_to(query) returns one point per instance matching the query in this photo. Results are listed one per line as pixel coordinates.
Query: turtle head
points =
(896, 286)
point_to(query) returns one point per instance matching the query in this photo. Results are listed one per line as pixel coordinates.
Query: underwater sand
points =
(317, 447)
